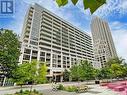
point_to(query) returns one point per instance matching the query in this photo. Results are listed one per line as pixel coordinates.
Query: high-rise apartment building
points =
(48, 38)
(104, 48)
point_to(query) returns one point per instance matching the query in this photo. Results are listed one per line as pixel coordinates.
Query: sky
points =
(114, 12)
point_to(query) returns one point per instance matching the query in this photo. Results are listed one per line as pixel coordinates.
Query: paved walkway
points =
(50, 92)
(46, 90)
(99, 90)
(95, 90)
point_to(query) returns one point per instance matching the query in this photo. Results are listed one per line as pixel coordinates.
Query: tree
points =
(105, 73)
(93, 5)
(117, 67)
(117, 70)
(66, 75)
(33, 72)
(25, 72)
(82, 71)
(125, 70)
(42, 72)
(74, 72)
(115, 60)
(9, 52)
(87, 70)
(97, 74)
(20, 75)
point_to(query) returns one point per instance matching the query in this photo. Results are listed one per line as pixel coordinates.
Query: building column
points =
(61, 60)
(51, 69)
(30, 56)
(70, 61)
(38, 59)
(45, 56)
(51, 60)
(38, 55)
(21, 56)
(61, 78)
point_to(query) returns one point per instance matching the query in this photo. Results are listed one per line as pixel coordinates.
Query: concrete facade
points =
(104, 48)
(48, 38)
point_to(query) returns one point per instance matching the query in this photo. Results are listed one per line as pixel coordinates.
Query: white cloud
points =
(116, 25)
(120, 40)
(86, 13)
(111, 7)
(124, 4)
(119, 32)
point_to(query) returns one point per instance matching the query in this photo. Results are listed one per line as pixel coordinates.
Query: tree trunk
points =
(21, 90)
(31, 89)
(4, 81)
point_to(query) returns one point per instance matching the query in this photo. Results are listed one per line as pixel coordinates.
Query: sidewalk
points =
(24, 86)
(46, 89)
(99, 90)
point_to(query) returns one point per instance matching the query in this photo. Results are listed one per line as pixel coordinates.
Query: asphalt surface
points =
(51, 92)
(46, 89)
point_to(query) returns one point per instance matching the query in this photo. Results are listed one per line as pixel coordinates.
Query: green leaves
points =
(93, 5)
(9, 52)
(66, 75)
(102, 1)
(74, 1)
(42, 72)
(61, 2)
(82, 71)
(64, 2)
(28, 72)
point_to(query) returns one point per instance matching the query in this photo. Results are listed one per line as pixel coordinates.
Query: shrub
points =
(71, 88)
(60, 87)
(27, 92)
(67, 88)
(35, 91)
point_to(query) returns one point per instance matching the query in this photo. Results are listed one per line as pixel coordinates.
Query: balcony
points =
(45, 39)
(44, 34)
(47, 31)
